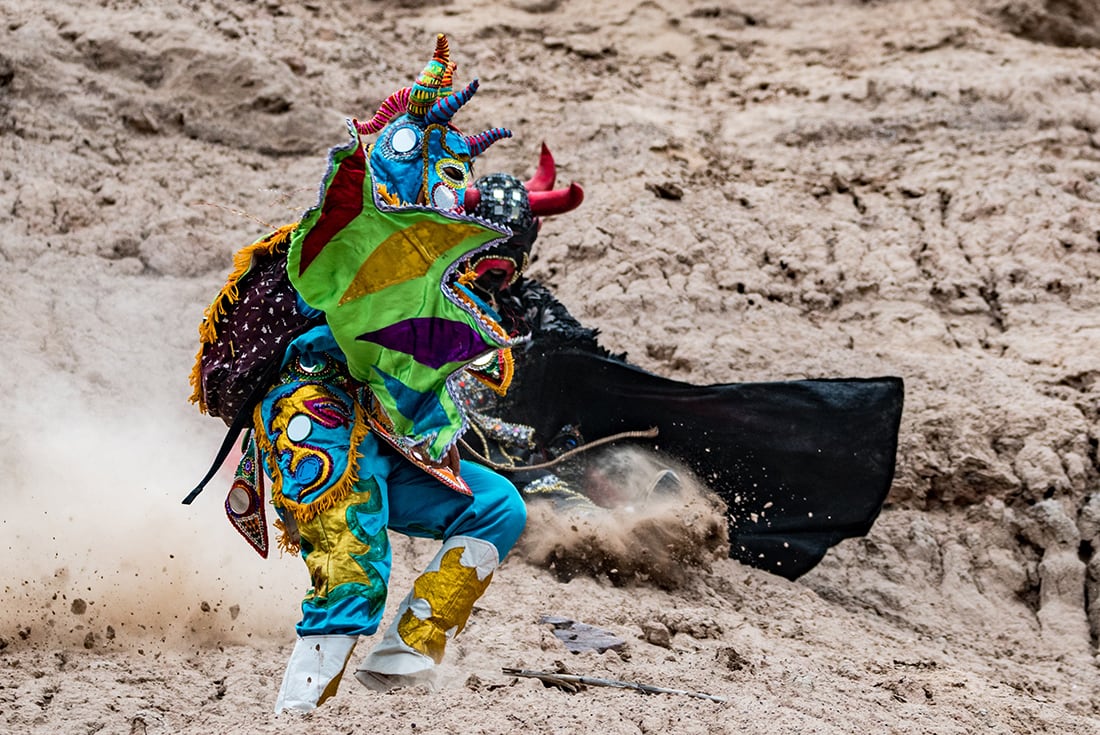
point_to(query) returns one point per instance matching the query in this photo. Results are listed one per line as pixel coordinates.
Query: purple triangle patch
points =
(431, 341)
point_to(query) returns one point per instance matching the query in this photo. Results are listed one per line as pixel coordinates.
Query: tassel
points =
(289, 541)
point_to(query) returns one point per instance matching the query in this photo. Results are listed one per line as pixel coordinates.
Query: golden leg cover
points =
(437, 608)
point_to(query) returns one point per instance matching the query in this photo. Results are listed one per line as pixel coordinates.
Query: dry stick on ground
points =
(569, 683)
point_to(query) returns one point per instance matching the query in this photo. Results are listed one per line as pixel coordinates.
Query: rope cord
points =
(642, 434)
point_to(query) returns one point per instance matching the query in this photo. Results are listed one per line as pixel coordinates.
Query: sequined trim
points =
(244, 504)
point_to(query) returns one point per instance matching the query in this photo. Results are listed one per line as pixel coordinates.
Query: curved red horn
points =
(473, 196)
(543, 180)
(394, 105)
(557, 201)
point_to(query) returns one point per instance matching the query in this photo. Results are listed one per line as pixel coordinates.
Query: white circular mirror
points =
(444, 198)
(239, 500)
(299, 427)
(403, 140)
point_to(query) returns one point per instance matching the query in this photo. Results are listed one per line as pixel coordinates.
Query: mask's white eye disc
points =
(444, 198)
(404, 140)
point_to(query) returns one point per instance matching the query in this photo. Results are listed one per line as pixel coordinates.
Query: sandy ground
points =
(774, 190)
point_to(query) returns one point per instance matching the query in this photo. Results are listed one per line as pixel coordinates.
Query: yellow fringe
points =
(305, 512)
(391, 199)
(468, 276)
(196, 380)
(288, 543)
(208, 329)
(488, 323)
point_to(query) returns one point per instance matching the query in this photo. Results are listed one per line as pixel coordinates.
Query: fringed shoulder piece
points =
(273, 243)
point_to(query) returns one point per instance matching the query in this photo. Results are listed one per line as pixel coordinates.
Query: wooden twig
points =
(569, 682)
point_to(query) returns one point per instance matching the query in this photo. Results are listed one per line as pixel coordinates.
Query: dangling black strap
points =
(245, 414)
(239, 422)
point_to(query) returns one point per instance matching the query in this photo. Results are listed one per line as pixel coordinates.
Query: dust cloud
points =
(100, 552)
(642, 532)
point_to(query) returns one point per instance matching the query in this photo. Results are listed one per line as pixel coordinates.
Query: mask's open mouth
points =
(495, 274)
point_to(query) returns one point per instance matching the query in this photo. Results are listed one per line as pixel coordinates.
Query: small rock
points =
(731, 659)
(141, 122)
(79, 606)
(589, 47)
(579, 637)
(696, 623)
(656, 633)
(536, 6)
(296, 64)
(666, 190)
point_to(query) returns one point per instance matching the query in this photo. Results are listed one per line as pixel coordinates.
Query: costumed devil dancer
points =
(800, 464)
(336, 345)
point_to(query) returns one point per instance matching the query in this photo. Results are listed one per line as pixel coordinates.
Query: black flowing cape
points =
(801, 464)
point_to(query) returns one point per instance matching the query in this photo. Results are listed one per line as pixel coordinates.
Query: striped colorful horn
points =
(445, 108)
(557, 201)
(426, 90)
(543, 180)
(446, 85)
(442, 50)
(478, 143)
(394, 105)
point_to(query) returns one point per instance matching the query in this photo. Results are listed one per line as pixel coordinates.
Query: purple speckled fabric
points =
(251, 336)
